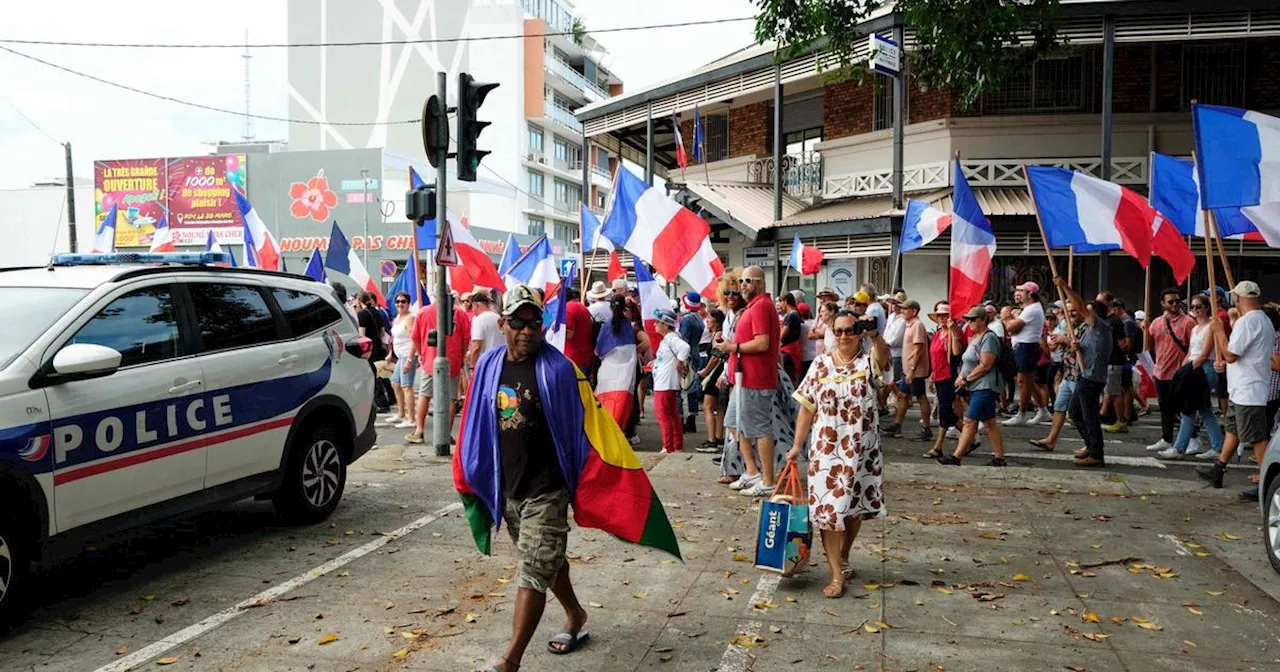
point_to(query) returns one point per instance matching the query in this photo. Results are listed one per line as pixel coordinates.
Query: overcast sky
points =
(104, 122)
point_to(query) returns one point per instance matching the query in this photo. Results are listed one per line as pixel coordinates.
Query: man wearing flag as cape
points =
(522, 459)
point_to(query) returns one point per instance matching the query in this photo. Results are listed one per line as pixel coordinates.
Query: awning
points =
(747, 207)
(995, 201)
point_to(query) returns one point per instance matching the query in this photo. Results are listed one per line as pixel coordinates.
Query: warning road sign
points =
(447, 255)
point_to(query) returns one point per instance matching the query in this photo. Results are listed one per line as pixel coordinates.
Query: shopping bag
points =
(784, 538)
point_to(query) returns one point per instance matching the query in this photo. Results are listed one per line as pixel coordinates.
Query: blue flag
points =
(424, 231)
(510, 255)
(699, 135)
(315, 267)
(404, 283)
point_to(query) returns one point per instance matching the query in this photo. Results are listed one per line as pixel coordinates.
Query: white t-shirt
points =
(665, 374)
(600, 310)
(809, 351)
(1056, 353)
(895, 328)
(996, 326)
(1198, 334)
(828, 340)
(1249, 377)
(484, 328)
(1032, 317)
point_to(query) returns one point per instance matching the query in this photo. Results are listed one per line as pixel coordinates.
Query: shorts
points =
(915, 387)
(426, 386)
(1114, 386)
(982, 405)
(897, 368)
(1249, 423)
(539, 526)
(1063, 400)
(404, 372)
(946, 390)
(1026, 356)
(757, 412)
(1045, 373)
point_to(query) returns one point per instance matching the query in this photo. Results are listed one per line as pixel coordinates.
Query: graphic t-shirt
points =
(666, 375)
(529, 463)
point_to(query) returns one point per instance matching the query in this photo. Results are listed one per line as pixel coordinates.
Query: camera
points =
(863, 326)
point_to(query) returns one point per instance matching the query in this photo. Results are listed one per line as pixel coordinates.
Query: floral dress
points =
(846, 463)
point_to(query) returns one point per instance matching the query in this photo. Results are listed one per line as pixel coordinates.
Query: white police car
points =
(132, 391)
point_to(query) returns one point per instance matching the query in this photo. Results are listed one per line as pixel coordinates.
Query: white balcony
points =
(561, 116)
(1126, 170)
(561, 69)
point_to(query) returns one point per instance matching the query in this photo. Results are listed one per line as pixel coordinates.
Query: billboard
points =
(194, 193)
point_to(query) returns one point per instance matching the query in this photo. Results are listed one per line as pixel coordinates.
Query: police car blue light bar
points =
(141, 258)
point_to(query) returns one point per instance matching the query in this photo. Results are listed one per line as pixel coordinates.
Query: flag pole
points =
(1212, 220)
(1071, 265)
(1053, 265)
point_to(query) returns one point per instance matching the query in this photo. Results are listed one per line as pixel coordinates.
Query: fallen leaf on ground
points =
(1090, 617)
(327, 639)
(791, 599)
(595, 605)
(408, 634)
(1117, 619)
(178, 602)
(764, 605)
(750, 641)
(1019, 577)
(402, 653)
(739, 557)
(167, 661)
(639, 596)
(775, 629)
(388, 630)
(871, 586)
(1215, 593)
(1189, 643)
(870, 628)
(471, 618)
(1095, 636)
(1227, 536)
(1195, 611)
(122, 650)
(944, 591)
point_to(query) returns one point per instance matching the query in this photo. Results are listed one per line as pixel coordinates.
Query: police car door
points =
(249, 364)
(130, 439)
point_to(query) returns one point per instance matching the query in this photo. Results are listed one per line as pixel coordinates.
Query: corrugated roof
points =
(995, 201)
(749, 204)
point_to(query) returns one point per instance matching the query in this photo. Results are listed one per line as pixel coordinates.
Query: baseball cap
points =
(520, 296)
(1248, 289)
(665, 316)
(861, 297)
(975, 312)
(1139, 315)
(1029, 286)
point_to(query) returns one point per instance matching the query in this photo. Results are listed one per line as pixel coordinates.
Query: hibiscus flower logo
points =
(312, 198)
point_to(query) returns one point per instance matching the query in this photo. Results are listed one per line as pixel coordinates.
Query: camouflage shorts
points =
(539, 526)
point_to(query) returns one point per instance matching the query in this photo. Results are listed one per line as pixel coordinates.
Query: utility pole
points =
(1108, 90)
(364, 181)
(71, 199)
(442, 404)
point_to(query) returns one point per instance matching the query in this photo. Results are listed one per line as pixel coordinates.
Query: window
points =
(537, 226)
(1213, 74)
(564, 232)
(568, 193)
(567, 155)
(535, 183)
(803, 142)
(232, 316)
(716, 141)
(39, 308)
(1050, 85)
(602, 197)
(535, 139)
(140, 325)
(882, 110)
(305, 312)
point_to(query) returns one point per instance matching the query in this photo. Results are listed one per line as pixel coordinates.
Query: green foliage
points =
(967, 46)
(579, 30)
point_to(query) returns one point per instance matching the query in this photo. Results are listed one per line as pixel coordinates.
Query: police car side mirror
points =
(81, 361)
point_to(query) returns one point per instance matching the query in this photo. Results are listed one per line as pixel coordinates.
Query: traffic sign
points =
(387, 268)
(886, 55)
(447, 255)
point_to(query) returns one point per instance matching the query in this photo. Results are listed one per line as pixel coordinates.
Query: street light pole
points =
(441, 405)
(364, 182)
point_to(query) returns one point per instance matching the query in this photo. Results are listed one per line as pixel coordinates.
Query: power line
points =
(29, 120)
(369, 43)
(201, 106)
(536, 198)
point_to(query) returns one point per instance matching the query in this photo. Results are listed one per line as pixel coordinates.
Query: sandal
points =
(726, 480)
(570, 642)
(932, 454)
(494, 668)
(1041, 444)
(848, 572)
(834, 590)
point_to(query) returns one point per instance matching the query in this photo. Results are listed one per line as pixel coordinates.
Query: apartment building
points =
(533, 182)
(836, 148)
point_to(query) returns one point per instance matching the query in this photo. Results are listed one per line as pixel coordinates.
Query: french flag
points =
(663, 233)
(104, 241)
(806, 259)
(554, 316)
(1237, 155)
(973, 246)
(315, 267)
(682, 159)
(162, 239)
(616, 375)
(343, 259)
(1090, 214)
(699, 135)
(592, 236)
(615, 266)
(921, 225)
(211, 245)
(260, 249)
(424, 231)
(510, 255)
(472, 259)
(652, 297)
(536, 268)
(405, 282)
(1175, 194)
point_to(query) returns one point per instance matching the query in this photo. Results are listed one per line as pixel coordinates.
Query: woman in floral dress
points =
(838, 402)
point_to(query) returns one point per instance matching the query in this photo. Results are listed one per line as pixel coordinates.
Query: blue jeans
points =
(1188, 423)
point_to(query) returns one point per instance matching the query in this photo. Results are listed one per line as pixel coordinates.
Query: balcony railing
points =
(1127, 170)
(561, 115)
(801, 173)
(598, 171)
(562, 69)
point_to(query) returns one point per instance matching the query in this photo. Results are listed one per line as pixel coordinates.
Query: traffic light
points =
(471, 96)
(435, 130)
(420, 203)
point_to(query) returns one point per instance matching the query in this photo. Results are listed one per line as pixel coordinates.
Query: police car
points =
(139, 387)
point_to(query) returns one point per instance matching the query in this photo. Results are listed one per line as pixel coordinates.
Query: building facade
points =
(545, 63)
(837, 139)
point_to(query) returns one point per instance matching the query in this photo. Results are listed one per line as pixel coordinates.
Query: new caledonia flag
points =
(609, 488)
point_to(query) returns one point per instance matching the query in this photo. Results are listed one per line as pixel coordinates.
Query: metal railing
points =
(1127, 170)
(561, 115)
(801, 173)
(561, 68)
(599, 171)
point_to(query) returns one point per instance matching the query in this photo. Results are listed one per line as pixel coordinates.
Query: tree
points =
(967, 46)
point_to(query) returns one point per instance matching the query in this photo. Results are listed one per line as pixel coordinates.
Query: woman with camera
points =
(838, 402)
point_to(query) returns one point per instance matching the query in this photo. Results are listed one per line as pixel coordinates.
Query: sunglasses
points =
(842, 331)
(747, 281)
(732, 292)
(1196, 306)
(402, 300)
(519, 324)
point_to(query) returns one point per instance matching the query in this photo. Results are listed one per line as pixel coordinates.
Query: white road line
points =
(146, 654)
(1111, 459)
(737, 658)
(1178, 547)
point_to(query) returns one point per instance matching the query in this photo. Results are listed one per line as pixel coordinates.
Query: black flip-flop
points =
(569, 641)
(1041, 445)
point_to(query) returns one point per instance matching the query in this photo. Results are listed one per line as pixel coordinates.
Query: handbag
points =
(384, 368)
(784, 537)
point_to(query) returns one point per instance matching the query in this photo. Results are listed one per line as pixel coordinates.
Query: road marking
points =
(146, 654)
(737, 658)
(1178, 547)
(1116, 459)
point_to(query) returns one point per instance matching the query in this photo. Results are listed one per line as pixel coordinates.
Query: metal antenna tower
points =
(246, 133)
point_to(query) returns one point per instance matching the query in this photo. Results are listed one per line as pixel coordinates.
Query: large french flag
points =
(555, 316)
(162, 239)
(806, 259)
(663, 233)
(260, 249)
(973, 246)
(592, 236)
(1088, 213)
(1237, 155)
(343, 259)
(104, 241)
(1175, 194)
(616, 376)
(652, 297)
(921, 225)
(536, 268)
(211, 245)
(473, 260)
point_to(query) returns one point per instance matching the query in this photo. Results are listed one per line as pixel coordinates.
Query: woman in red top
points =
(947, 342)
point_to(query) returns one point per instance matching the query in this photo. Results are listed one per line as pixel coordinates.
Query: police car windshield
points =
(39, 308)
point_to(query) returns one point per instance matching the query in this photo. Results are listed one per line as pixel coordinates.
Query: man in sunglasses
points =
(1170, 336)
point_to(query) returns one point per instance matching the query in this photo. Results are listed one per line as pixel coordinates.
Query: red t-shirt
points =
(578, 347)
(1169, 355)
(940, 353)
(759, 370)
(456, 343)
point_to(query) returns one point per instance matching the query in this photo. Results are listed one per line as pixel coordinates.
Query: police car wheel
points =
(1271, 522)
(314, 477)
(13, 570)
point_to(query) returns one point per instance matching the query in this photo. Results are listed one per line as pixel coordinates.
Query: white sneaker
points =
(1169, 453)
(635, 440)
(953, 433)
(1018, 420)
(759, 490)
(1043, 417)
(394, 417)
(982, 429)
(1161, 445)
(1194, 446)
(1208, 455)
(405, 424)
(744, 481)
